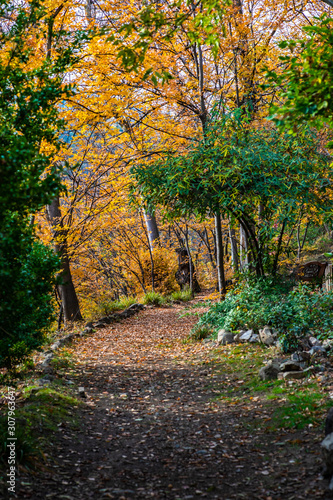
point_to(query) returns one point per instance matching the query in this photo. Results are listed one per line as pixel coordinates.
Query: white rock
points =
(270, 371)
(313, 341)
(291, 375)
(245, 337)
(225, 337)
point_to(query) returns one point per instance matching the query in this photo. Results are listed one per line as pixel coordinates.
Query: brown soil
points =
(151, 428)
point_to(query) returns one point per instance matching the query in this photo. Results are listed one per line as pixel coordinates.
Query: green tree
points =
(256, 176)
(30, 91)
(305, 87)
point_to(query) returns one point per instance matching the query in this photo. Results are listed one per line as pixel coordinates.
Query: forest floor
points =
(165, 419)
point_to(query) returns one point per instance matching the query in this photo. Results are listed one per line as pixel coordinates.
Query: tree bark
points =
(244, 260)
(219, 255)
(233, 245)
(152, 229)
(67, 293)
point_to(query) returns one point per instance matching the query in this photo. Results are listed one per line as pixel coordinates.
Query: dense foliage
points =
(293, 312)
(29, 128)
(305, 87)
(238, 168)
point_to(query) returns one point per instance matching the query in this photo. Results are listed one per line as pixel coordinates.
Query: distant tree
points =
(237, 169)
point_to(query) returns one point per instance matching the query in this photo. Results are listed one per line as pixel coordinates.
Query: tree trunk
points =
(67, 293)
(244, 260)
(189, 261)
(152, 229)
(233, 245)
(219, 255)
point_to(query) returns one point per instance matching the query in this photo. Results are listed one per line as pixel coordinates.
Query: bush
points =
(292, 312)
(26, 294)
(199, 332)
(105, 306)
(165, 267)
(182, 295)
(154, 299)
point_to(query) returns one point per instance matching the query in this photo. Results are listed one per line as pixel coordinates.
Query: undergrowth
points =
(287, 404)
(293, 312)
(39, 411)
(104, 307)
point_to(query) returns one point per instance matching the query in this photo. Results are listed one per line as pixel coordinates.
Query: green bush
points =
(154, 299)
(182, 295)
(105, 306)
(292, 312)
(199, 332)
(26, 294)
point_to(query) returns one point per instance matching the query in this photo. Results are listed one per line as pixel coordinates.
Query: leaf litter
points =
(157, 424)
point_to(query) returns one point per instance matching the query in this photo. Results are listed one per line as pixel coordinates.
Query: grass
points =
(63, 360)
(182, 295)
(105, 307)
(37, 415)
(154, 299)
(198, 333)
(293, 405)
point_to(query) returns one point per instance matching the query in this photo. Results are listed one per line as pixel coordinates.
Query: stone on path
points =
(270, 371)
(225, 337)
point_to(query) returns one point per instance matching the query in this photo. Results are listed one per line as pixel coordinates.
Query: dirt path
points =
(151, 428)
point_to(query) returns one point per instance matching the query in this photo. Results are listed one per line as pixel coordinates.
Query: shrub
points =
(103, 306)
(27, 300)
(165, 267)
(199, 332)
(154, 299)
(182, 295)
(292, 312)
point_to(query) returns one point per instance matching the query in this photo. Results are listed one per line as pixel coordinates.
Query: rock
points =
(290, 366)
(267, 336)
(56, 345)
(329, 422)
(82, 393)
(292, 375)
(43, 382)
(100, 324)
(47, 360)
(136, 307)
(318, 350)
(319, 368)
(327, 451)
(254, 338)
(306, 356)
(245, 337)
(225, 337)
(296, 357)
(313, 341)
(270, 371)
(328, 344)
(106, 319)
